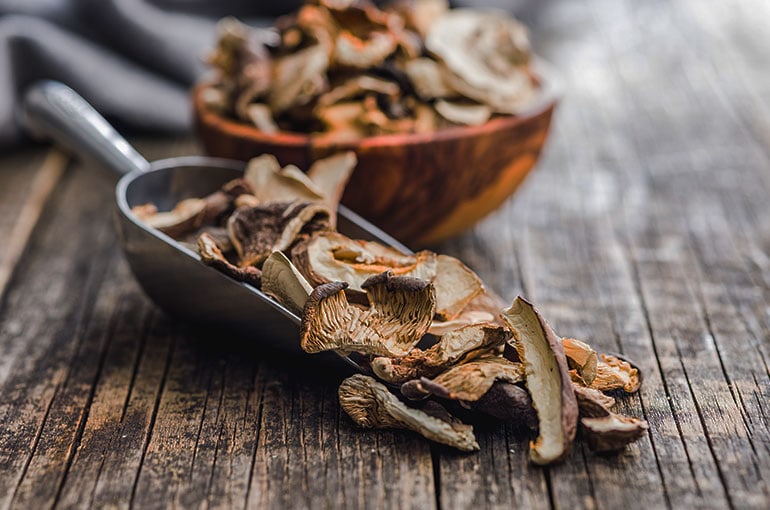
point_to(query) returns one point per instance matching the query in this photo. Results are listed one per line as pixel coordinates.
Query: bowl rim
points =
(549, 93)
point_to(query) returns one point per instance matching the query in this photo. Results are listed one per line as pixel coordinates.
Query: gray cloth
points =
(134, 60)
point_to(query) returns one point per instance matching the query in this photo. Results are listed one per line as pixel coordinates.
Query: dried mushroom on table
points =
(433, 341)
(350, 69)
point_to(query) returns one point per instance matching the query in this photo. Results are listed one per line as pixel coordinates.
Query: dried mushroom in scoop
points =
(371, 405)
(452, 348)
(548, 382)
(212, 255)
(284, 283)
(399, 314)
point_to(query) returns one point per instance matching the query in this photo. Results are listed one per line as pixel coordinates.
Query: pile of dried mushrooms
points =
(348, 69)
(427, 333)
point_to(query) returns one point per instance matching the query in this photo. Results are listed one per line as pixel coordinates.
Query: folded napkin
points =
(134, 60)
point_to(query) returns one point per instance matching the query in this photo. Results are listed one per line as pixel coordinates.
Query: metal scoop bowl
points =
(171, 274)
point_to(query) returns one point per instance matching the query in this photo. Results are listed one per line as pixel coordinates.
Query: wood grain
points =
(645, 230)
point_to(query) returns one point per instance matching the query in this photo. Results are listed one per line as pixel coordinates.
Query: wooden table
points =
(645, 230)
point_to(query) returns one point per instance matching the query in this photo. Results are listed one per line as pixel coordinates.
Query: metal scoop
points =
(171, 274)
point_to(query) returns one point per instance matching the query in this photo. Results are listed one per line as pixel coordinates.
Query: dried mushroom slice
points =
(429, 79)
(464, 113)
(456, 286)
(187, 215)
(466, 318)
(283, 282)
(458, 346)
(487, 54)
(371, 405)
(298, 77)
(612, 373)
(507, 402)
(547, 379)
(612, 432)
(212, 255)
(333, 257)
(260, 115)
(271, 183)
(259, 231)
(330, 175)
(399, 313)
(582, 360)
(469, 381)
(420, 14)
(603, 430)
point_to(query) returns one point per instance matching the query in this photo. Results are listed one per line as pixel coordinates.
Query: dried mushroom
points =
(330, 175)
(603, 430)
(284, 283)
(258, 231)
(456, 286)
(371, 405)
(350, 69)
(272, 183)
(488, 55)
(454, 347)
(582, 360)
(212, 255)
(187, 215)
(467, 382)
(399, 314)
(335, 257)
(507, 402)
(613, 373)
(547, 379)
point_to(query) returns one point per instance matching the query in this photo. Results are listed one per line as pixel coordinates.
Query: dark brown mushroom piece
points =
(507, 402)
(371, 405)
(399, 314)
(603, 430)
(547, 379)
(258, 231)
(454, 347)
(212, 255)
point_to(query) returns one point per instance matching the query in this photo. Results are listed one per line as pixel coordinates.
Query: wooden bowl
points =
(421, 188)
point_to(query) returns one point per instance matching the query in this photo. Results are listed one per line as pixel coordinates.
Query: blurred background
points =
(134, 60)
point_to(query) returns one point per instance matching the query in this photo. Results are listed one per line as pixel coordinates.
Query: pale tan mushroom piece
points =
(466, 318)
(420, 14)
(613, 373)
(329, 176)
(582, 360)
(297, 77)
(457, 346)
(592, 403)
(259, 231)
(187, 215)
(283, 282)
(428, 78)
(467, 114)
(371, 405)
(548, 382)
(211, 255)
(487, 54)
(456, 286)
(271, 183)
(399, 314)
(334, 257)
(358, 86)
(469, 381)
(353, 51)
(260, 115)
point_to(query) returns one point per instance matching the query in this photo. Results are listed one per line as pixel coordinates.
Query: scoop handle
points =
(53, 110)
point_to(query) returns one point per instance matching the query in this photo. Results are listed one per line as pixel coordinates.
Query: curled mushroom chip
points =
(428, 78)
(613, 373)
(466, 318)
(592, 403)
(212, 255)
(358, 87)
(283, 282)
(371, 405)
(469, 381)
(547, 379)
(456, 286)
(454, 347)
(399, 314)
(258, 231)
(468, 114)
(297, 77)
(187, 215)
(582, 360)
(335, 257)
(487, 54)
(329, 176)
(271, 183)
